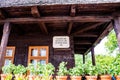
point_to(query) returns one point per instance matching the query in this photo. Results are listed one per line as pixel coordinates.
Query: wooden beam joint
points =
(73, 10)
(35, 12)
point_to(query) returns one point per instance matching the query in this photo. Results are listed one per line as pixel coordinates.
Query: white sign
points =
(61, 42)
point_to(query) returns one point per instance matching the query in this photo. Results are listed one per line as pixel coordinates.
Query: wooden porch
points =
(85, 24)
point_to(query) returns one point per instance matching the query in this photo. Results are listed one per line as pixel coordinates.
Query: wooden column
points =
(116, 25)
(83, 58)
(4, 41)
(93, 56)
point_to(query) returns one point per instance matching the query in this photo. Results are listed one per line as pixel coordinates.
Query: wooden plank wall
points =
(23, 42)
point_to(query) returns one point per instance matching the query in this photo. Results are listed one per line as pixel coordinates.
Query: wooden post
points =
(116, 25)
(83, 58)
(4, 41)
(93, 56)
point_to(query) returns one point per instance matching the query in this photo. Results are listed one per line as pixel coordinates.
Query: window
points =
(38, 54)
(9, 55)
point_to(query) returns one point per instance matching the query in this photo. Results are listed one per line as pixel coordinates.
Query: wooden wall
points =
(22, 43)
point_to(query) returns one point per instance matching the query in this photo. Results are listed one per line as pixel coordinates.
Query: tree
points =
(111, 43)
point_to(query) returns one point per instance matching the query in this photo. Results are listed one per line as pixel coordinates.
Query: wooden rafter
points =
(70, 27)
(87, 28)
(83, 43)
(43, 27)
(81, 48)
(108, 28)
(87, 35)
(35, 12)
(60, 19)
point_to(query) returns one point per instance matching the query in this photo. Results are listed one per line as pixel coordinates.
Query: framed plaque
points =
(61, 42)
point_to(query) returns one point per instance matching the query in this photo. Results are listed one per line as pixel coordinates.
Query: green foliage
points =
(76, 71)
(35, 70)
(47, 71)
(78, 59)
(8, 69)
(89, 69)
(20, 69)
(104, 59)
(62, 69)
(115, 66)
(111, 44)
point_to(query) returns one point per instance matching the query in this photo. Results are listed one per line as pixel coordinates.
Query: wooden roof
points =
(10, 3)
(87, 23)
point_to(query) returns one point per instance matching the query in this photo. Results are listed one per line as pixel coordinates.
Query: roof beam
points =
(87, 28)
(81, 48)
(83, 43)
(60, 19)
(86, 35)
(43, 27)
(35, 12)
(70, 27)
(108, 28)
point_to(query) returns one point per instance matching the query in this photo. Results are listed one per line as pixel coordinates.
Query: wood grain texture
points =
(4, 41)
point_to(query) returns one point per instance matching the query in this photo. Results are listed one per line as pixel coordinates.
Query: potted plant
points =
(105, 72)
(7, 72)
(115, 66)
(76, 73)
(91, 72)
(20, 72)
(117, 72)
(47, 71)
(62, 71)
(35, 72)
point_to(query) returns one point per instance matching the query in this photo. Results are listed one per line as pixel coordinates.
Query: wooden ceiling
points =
(87, 23)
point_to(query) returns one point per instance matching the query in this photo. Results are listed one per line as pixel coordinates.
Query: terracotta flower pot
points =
(61, 77)
(105, 77)
(91, 77)
(117, 77)
(76, 77)
(32, 77)
(51, 77)
(48, 78)
(3, 76)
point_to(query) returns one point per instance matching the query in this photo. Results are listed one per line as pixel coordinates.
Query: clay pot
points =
(91, 77)
(48, 78)
(3, 76)
(32, 77)
(61, 77)
(117, 77)
(105, 77)
(76, 77)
